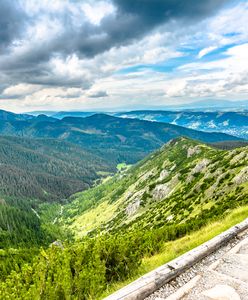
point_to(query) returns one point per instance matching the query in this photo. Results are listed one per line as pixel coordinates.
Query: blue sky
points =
(111, 55)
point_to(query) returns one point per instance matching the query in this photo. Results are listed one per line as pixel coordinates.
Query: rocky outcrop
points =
(242, 177)
(162, 191)
(193, 150)
(200, 166)
(132, 208)
(163, 175)
(238, 158)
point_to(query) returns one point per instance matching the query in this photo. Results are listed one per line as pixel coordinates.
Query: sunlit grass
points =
(93, 218)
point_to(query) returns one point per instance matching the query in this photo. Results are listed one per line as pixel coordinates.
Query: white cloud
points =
(205, 51)
(96, 11)
(176, 88)
(21, 89)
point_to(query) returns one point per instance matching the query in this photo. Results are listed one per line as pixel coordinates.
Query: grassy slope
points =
(179, 183)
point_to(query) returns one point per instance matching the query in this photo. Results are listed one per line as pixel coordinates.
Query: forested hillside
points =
(46, 169)
(36, 171)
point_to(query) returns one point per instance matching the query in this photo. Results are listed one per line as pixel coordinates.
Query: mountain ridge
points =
(113, 139)
(176, 177)
(231, 122)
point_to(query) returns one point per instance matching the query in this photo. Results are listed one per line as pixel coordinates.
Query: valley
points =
(115, 230)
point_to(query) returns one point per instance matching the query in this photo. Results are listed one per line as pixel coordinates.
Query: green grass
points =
(122, 166)
(176, 248)
(93, 218)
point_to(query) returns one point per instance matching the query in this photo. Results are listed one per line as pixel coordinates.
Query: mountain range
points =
(229, 122)
(46, 160)
(114, 139)
(233, 123)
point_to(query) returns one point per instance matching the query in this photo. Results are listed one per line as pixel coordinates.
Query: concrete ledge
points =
(152, 281)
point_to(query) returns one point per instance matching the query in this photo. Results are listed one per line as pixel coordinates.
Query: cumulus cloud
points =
(80, 28)
(226, 77)
(19, 90)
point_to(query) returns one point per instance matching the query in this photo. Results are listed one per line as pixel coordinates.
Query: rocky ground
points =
(223, 275)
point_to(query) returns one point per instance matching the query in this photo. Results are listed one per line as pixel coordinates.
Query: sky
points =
(121, 54)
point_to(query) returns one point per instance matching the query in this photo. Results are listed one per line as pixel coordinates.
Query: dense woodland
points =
(36, 171)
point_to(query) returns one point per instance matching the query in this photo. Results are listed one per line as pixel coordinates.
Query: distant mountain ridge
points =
(229, 122)
(9, 116)
(112, 138)
(234, 123)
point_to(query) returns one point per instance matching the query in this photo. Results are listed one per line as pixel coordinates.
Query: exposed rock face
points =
(242, 176)
(163, 175)
(161, 191)
(200, 166)
(169, 218)
(133, 207)
(237, 158)
(193, 150)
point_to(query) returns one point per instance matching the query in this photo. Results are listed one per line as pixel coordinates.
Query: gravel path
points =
(200, 267)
